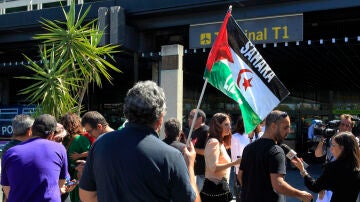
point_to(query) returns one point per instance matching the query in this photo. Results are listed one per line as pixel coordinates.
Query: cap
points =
(45, 124)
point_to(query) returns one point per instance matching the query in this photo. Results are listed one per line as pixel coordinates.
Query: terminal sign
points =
(258, 30)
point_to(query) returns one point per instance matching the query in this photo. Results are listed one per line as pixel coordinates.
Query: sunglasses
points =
(282, 115)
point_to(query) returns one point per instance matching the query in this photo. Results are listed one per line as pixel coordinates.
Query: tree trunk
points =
(82, 94)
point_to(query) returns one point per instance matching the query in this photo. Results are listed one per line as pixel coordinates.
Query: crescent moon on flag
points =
(239, 75)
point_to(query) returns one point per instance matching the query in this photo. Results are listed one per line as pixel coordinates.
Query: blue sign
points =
(7, 114)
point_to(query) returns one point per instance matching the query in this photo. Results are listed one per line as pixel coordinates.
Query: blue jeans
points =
(232, 180)
(200, 181)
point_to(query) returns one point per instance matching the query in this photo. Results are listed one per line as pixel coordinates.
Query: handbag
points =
(212, 192)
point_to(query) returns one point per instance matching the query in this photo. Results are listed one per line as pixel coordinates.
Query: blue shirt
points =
(133, 164)
(32, 169)
(311, 134)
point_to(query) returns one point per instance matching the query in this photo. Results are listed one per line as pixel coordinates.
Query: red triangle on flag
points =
(220, 49)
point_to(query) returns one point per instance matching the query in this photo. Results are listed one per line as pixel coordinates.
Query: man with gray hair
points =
(21, 125)
(133, 164)
(262, 167)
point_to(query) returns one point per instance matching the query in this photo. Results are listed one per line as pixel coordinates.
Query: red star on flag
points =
(247, 83)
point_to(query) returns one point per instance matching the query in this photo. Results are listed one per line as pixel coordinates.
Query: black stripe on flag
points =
(237, 39)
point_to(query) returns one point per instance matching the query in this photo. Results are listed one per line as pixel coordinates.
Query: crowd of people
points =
(44, 159)
(83, 157)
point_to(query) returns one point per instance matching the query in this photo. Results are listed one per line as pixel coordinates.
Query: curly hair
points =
(144, 103)
(71, 123)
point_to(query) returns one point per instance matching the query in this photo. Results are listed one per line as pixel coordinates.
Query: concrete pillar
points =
(171, 80)
(155, 71)
(104, 25)
(117, 25)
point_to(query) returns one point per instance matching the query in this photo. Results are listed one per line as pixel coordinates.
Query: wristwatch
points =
(303, 173)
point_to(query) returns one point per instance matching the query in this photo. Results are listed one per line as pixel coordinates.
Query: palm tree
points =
(78, 61)
(52, 84)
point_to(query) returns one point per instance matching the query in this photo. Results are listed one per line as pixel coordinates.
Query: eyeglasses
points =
(346, 125)
(90, 131)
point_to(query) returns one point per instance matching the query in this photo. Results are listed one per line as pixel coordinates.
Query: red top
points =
(91, 138)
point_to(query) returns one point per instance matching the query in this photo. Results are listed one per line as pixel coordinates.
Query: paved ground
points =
(294, 178)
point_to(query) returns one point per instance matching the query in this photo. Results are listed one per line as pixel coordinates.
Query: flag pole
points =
(196, 112)
(199, 102)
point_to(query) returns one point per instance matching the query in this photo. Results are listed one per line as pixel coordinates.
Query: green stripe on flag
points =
(221, 78)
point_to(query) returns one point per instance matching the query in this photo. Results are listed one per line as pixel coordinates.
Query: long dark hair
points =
(350, 152)
(215, 128)
(239, 125)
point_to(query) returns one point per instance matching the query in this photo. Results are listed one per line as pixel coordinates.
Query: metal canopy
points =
(303, 67)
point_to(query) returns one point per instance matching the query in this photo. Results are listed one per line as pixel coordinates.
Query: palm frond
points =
(71, 59)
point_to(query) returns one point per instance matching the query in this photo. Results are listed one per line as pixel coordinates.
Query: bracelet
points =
(303, 173)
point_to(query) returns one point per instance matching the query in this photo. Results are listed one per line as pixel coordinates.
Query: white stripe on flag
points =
(259, 96)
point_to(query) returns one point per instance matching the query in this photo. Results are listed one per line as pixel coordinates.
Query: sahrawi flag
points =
(236, 68)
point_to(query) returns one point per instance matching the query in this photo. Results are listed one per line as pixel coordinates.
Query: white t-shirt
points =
(238, 143)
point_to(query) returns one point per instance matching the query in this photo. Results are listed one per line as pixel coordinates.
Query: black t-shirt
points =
(259, 159)
(199, 136)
